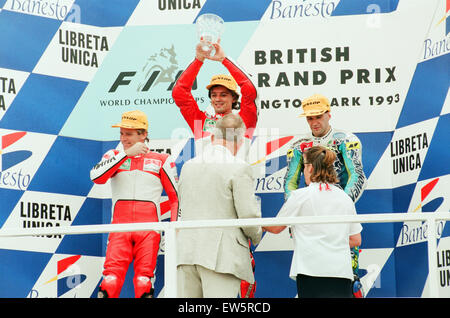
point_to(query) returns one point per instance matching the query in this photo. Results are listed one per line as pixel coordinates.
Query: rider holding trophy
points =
(224, 95)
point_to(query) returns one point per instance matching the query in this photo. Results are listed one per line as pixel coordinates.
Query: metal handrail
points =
(170, 228)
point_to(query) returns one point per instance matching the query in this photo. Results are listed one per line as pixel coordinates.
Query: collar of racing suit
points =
(324, 136)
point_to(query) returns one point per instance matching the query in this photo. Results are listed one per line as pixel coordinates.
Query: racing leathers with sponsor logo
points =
(136, 187)
(200, 122)
(348, 166)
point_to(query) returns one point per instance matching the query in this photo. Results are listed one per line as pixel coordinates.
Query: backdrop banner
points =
(70, 68)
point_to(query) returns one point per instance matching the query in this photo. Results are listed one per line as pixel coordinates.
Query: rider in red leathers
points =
(138, 178)
(224, 98)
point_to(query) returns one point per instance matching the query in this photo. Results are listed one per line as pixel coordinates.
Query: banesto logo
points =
(268, 182)
(10, 159)
(67, 283)
(439, 46)
(446, 17)
(416, 233)
(434, 204)
(161, 67)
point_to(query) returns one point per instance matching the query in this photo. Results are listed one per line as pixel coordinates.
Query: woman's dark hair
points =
(322, 160)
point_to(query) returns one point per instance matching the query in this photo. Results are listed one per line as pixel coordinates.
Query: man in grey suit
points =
(217, 185)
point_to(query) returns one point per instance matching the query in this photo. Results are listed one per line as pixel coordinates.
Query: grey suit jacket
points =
(217, 185)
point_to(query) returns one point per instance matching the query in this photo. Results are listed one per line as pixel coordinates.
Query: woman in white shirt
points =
(321, 262)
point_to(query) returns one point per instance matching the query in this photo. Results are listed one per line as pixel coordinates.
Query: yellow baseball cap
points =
(315, 105)
(134, 119)
(224, 80)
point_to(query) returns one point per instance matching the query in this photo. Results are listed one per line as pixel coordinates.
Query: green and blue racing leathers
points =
(348, 164)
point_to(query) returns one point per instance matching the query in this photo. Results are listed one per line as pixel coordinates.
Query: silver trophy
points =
(209, 29)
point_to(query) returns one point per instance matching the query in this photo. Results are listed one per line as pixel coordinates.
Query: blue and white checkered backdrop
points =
(69, 69)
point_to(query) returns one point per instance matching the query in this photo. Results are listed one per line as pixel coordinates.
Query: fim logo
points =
(161, 67)
(67, 283)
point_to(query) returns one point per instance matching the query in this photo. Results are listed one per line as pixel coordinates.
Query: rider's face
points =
(221, 100)
(319, 124)
(128, 137)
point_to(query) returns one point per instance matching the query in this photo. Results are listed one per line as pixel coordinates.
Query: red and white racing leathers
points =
(136, 186)
(201, 123)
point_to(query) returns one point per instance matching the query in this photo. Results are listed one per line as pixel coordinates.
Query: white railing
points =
(169, 229)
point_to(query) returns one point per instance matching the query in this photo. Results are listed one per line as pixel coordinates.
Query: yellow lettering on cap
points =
(312, 103)
(223, 78)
